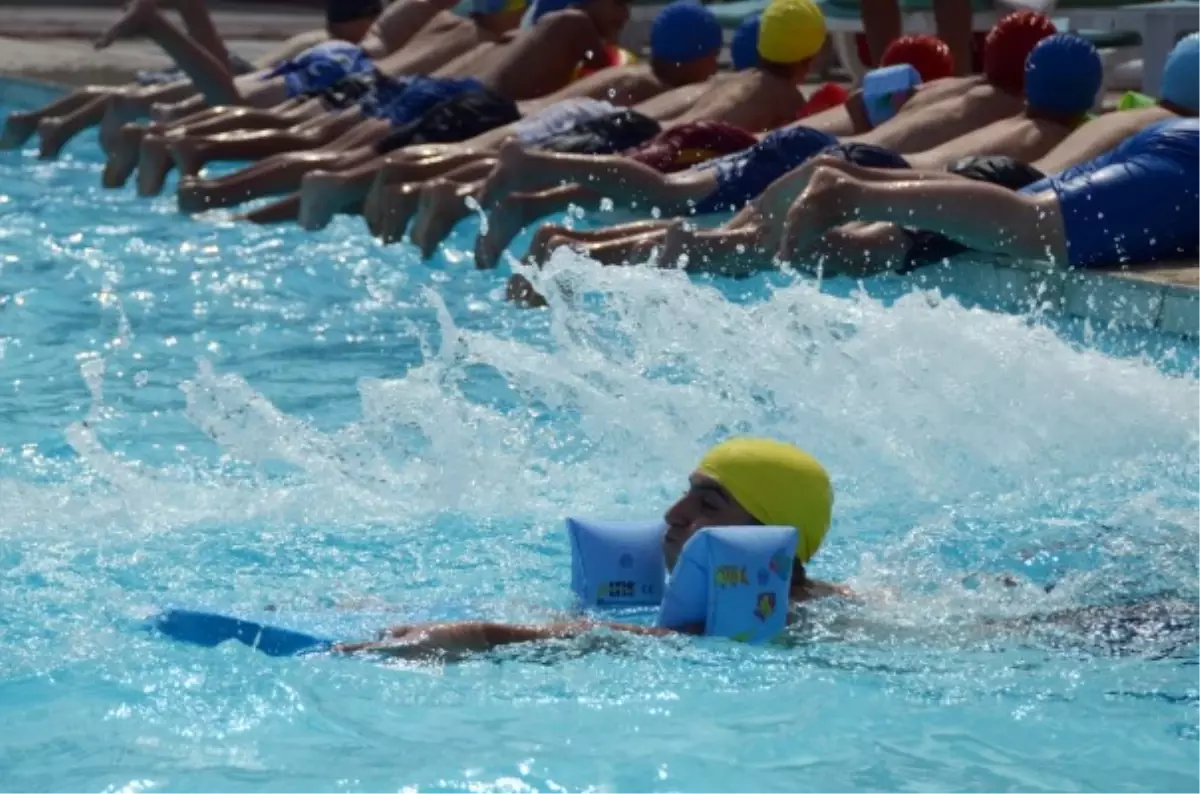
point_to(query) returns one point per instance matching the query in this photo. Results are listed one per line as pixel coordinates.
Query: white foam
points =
(924, 412)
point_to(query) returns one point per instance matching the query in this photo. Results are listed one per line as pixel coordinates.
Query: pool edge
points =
(1152, 298)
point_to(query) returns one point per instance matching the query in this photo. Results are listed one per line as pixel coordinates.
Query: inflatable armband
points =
(734, 581)
(617, 563)
(884, 91)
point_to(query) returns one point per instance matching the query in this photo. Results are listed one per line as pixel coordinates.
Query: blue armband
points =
(617, 563)
(734, 581)
(884, 91)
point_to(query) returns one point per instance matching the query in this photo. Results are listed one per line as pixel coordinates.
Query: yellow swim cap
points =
(779, 484)
(791, 31)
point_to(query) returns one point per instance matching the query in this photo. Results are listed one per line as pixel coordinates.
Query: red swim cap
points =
(829, 95)
(929, 55)
(1009, 44)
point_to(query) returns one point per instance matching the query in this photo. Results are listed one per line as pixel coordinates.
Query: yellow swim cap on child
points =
(791, 31)
(779, 484)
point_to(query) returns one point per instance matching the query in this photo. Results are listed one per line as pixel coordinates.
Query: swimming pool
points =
(219, 415)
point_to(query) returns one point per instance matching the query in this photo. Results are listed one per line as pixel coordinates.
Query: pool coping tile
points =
(1164, 297)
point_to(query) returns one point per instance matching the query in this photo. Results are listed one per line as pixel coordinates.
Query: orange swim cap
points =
(929, 55)
(1008, 46)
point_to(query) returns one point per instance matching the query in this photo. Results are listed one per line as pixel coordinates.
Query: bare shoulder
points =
(292, 47)
(785, 100)
(569, 19)
(633, 84)
(403, 20)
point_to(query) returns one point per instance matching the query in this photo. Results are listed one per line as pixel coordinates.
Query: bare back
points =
(1099, 136)
(923, 128)
(291, 48)
(941, 89)
(536, 62)
(399, 23)
(1020, 137)
(850, 117)
(752, 100)
(672, 104)
(623, 86)
(445, 38)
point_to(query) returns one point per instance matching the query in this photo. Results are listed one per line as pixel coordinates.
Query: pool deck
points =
(51, 45)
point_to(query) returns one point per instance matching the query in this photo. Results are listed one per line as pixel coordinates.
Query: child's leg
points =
(393, 210)
(279, 174)
(323, 194)
(19, 127)
(210, 74)
(444, 203)
(286, 209)
(986, 218)
(199, 25)
(388, 200)
(549, 236)
(191, 154)
(57, 131)
(505, 221)
(726, 252)
(625, 181)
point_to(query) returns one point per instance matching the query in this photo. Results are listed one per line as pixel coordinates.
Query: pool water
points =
(216, 415)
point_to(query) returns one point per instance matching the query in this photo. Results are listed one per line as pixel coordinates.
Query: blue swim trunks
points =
(743, 176)
(321, 67)
(1135, 204)
(402, 101)
(867, 155)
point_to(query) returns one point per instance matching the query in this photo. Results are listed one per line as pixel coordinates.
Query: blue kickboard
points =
(210, 629)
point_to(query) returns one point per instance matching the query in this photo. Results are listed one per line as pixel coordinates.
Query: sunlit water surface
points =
(224, 416)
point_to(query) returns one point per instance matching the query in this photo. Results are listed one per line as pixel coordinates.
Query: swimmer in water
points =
(559, 42)
(1131, 205)
(516, 192)
(684, 48)
(1063, 75)
(740, 482)
(323, 88)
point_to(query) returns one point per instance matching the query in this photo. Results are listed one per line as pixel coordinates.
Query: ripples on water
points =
(203, 413)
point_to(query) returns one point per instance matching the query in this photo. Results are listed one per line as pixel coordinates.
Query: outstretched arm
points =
(455, 640)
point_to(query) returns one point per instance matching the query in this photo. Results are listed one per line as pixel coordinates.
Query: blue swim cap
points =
(1063, 74)
(685, 31)
(743, 47)
(1181, 76)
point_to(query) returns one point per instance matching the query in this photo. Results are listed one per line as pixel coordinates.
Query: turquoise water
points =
(219, 415)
